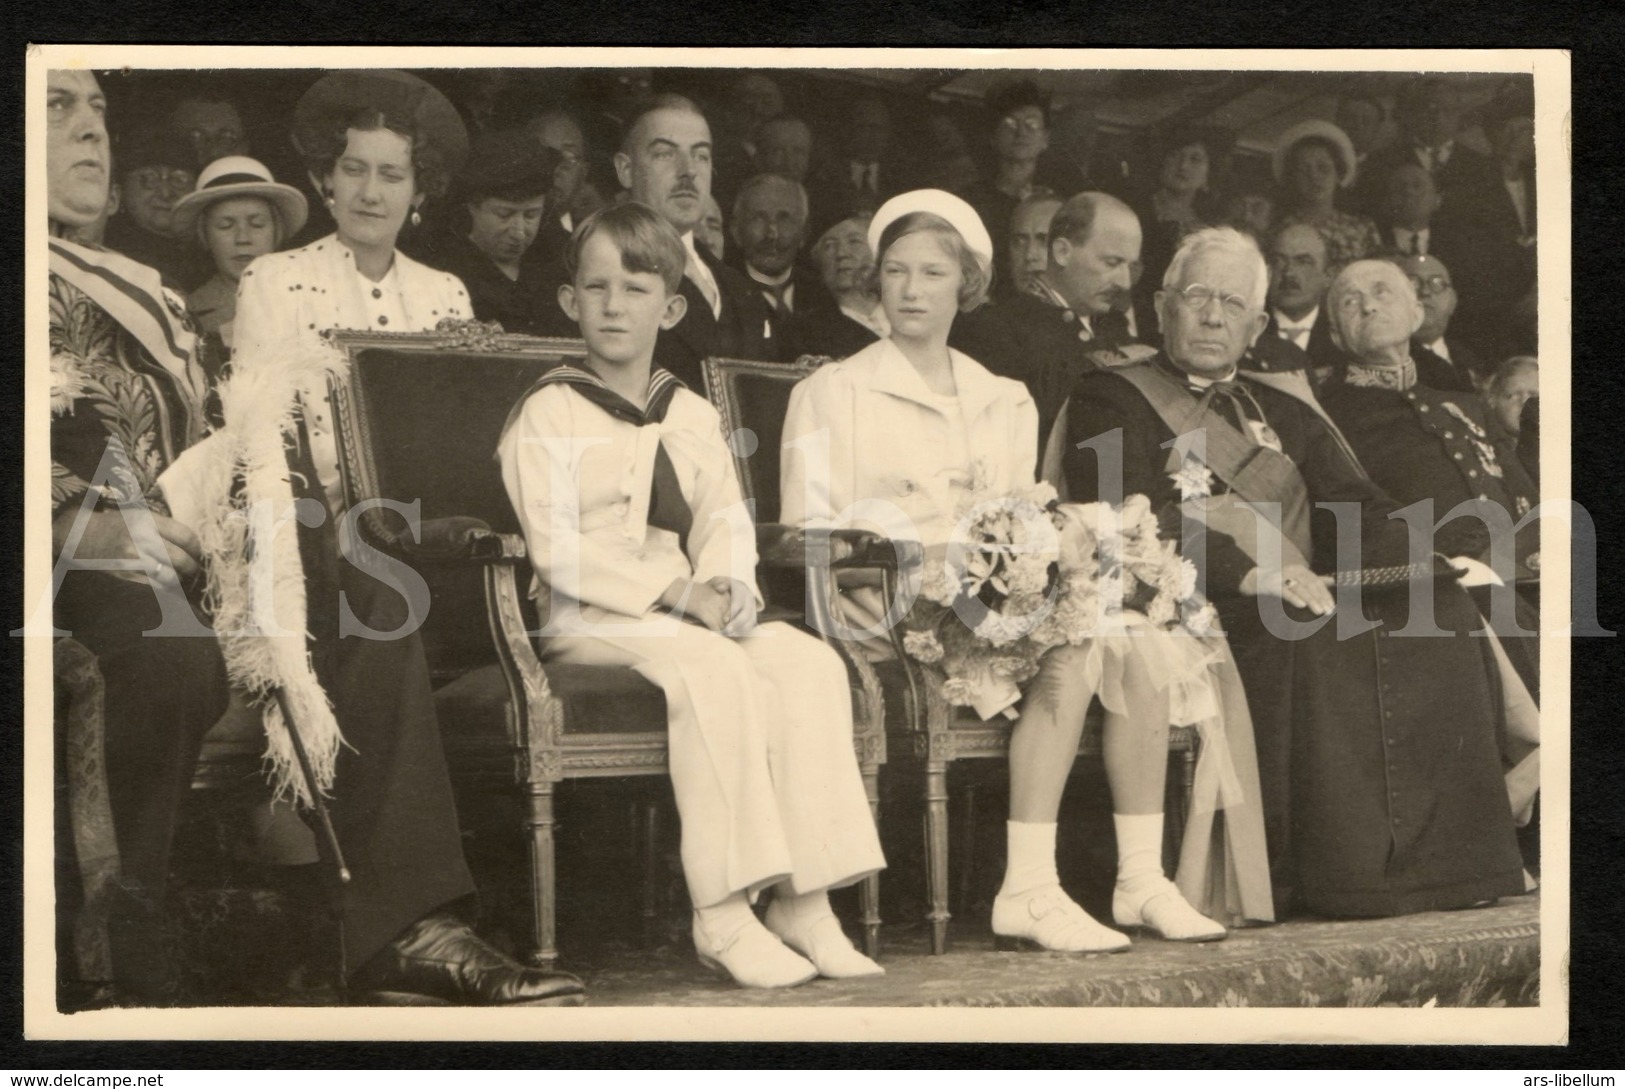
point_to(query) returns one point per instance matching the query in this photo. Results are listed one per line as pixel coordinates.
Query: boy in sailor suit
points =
(634, 520)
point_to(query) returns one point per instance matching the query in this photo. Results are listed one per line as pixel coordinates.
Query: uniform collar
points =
(1366, 376)
(1042, 289)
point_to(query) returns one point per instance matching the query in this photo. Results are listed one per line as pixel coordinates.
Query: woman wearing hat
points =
(1175, 207)
(502, 203)
(237, 212)
(910, 422)
(1313, 160)
(156, 170)
(377, 144)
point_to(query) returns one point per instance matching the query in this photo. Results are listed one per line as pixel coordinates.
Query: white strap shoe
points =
(1047, 918)
(752, 956)
(822, 941)
(1158, 905)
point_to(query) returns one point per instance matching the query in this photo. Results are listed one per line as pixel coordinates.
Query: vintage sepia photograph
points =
(606, 543)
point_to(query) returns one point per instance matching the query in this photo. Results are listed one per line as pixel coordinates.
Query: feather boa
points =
(256, 584)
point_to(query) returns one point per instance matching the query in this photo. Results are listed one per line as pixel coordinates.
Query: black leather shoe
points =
(440, 961)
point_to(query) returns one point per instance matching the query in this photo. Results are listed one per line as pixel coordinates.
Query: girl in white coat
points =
(889, 439)
(634, 521)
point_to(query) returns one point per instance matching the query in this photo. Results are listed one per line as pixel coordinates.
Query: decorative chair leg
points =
(966, 862)
(1187, 787)
(544, 877)
(869, 891)
(869, 904)
(936, 852)
(649, 846)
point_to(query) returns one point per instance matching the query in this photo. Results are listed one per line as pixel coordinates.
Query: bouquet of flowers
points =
(1026, 573)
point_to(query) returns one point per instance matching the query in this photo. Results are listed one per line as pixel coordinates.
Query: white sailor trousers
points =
(761, 757)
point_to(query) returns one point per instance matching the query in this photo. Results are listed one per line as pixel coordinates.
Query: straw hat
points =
(239, 176)
(1326, 131)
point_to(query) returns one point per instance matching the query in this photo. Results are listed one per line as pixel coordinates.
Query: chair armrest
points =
(780, 545)
(458, 539)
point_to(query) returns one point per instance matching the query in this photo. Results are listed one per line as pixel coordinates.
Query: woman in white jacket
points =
(889, 439)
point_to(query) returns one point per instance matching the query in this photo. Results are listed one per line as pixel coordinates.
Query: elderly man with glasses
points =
(156, 171)
(1446, 361)
(1382, 786)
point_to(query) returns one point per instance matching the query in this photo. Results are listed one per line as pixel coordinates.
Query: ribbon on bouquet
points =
(1183, 665)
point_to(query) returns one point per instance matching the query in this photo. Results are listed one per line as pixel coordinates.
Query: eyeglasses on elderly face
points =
(151, 178)
(1017, 124)
(1197, 296)
(1430, 285)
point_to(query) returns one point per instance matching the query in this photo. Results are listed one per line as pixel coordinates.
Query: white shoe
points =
(1047, 918)
(821, 941)
(1162, 908)
(752, 956)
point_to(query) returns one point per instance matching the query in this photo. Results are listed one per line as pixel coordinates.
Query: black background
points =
(1593, 31)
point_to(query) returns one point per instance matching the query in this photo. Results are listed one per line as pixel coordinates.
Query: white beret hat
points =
(956, 211)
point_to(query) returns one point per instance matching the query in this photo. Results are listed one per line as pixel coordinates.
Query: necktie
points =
(697, 271)
(776, 297)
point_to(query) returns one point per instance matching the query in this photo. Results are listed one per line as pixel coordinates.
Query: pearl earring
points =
(417, 220)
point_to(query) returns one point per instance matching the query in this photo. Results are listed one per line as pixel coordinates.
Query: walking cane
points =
(316, 799)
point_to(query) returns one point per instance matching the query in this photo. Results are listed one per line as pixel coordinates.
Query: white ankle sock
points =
(725, 919)
(1139, 848)
(804, 910)
(1030, 861)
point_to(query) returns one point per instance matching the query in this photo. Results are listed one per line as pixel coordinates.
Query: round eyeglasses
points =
(1197, 296)
(1018, 124)
(1430, 285)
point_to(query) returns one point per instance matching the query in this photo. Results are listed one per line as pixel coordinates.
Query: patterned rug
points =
(245, 934)
(1486, 957)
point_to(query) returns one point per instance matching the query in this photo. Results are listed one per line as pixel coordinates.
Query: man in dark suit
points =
(1496, 263)
(769, 225)
(864, 177)
(1429, 113)
(1299, 273)
(557, 130)
(665, 162)
(1046, 336)
(1453, 364)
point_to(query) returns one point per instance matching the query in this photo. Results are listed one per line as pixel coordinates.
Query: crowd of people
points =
(1361, 332)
